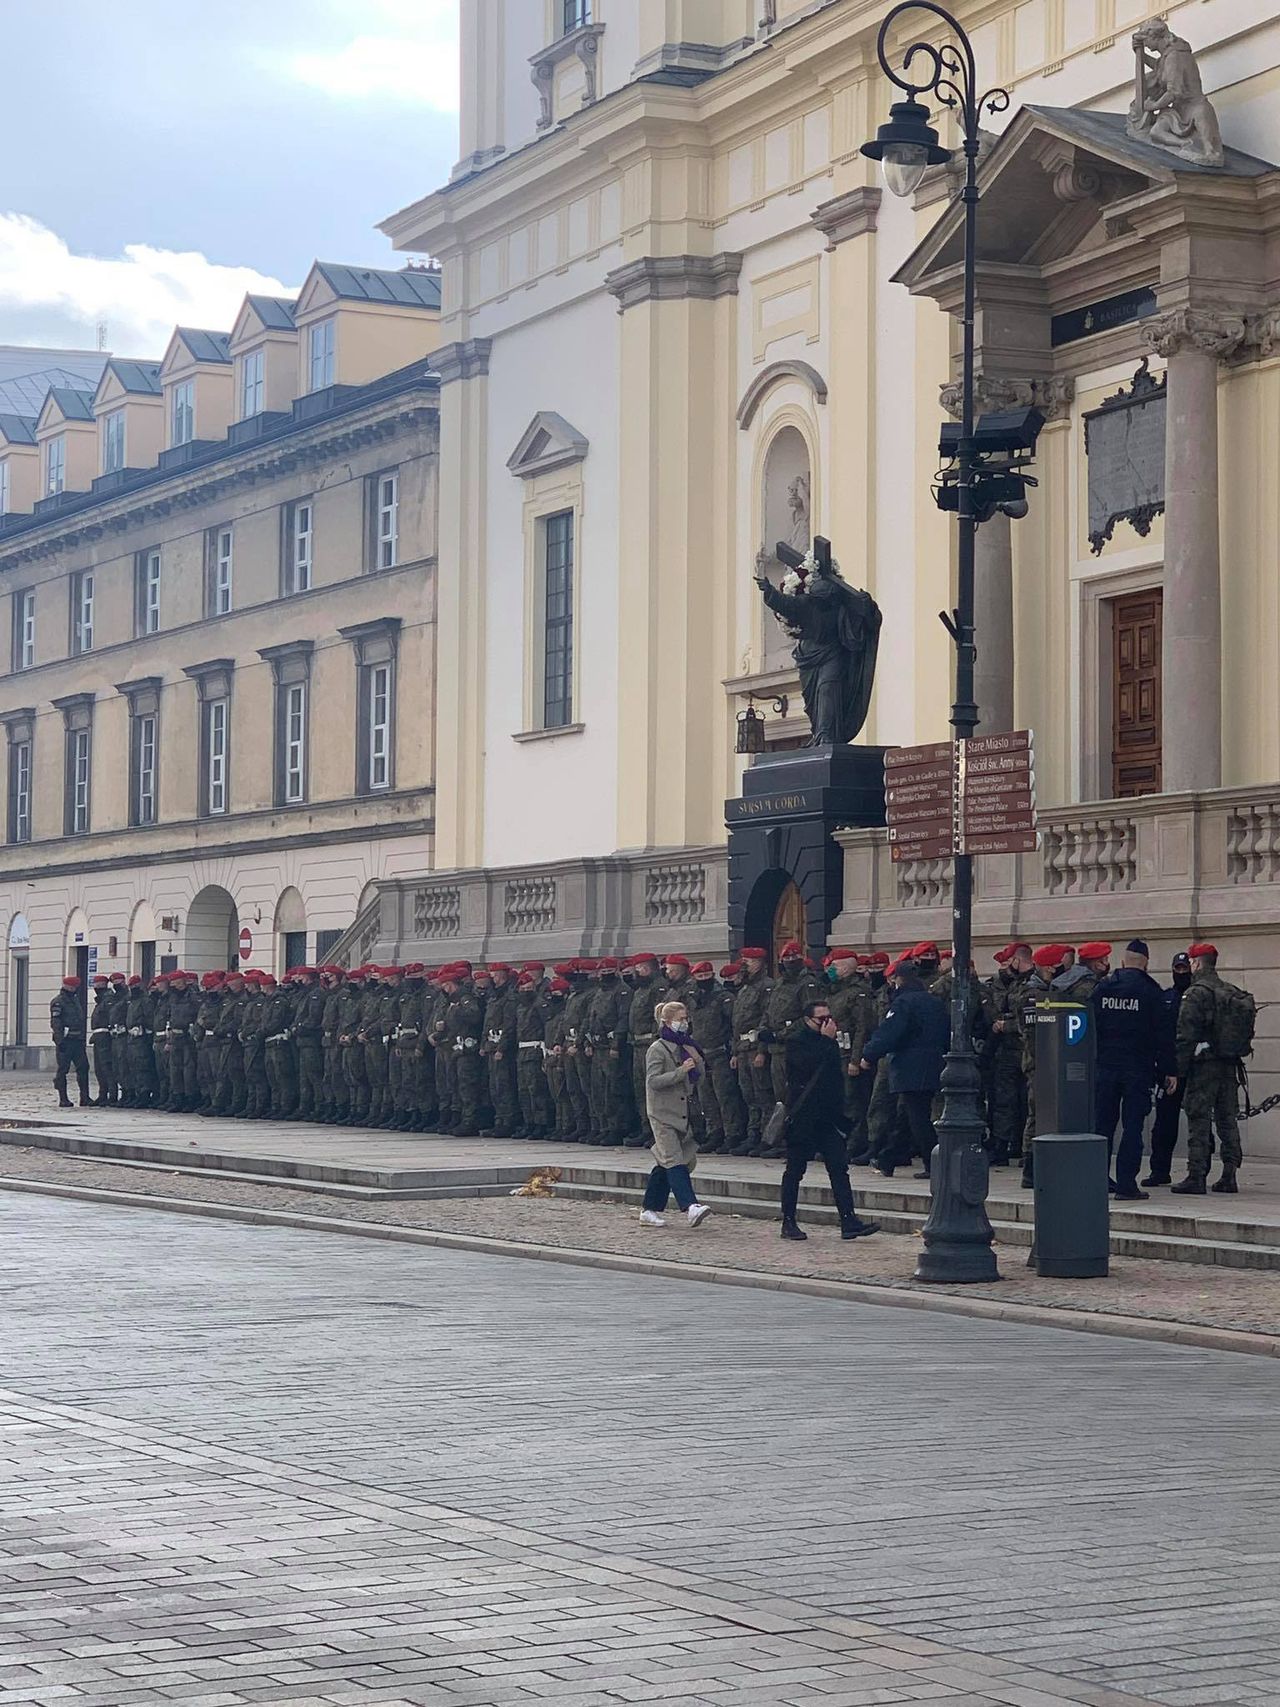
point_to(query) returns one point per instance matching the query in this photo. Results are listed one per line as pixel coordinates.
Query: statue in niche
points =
(798, 498)
(836, 628)
(1170, 108)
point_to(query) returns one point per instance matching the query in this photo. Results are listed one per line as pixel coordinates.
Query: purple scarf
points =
(688, 1051)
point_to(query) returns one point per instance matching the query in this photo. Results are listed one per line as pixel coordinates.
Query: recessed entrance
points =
(1136, 706)
(212, 935)
(788, 921)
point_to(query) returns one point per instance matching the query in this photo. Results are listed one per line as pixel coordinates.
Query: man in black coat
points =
(915, 1035)
(1164, 1130)
(1134, 1050)
(816, 1122)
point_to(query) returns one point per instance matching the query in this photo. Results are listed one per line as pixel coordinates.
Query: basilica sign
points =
(1124, 443)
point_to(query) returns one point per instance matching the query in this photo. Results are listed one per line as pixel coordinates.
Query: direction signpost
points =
(962, 797)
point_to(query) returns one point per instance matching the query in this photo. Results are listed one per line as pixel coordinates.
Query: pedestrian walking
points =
(816, 1123)
(1134, 1051)
(913, 1037)
(672, 1068)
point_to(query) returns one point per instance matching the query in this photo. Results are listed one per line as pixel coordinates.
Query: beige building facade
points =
(219, 644)
(681, 322)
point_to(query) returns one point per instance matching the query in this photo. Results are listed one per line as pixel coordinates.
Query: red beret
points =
(676, 960)
(878, 958)
(843, 954)
(645, 959)
(754, 954)
(924, 951)
(704, 969)
(608, 964)
(1094, 951)
(415, 969)
(565, 969)
(1003, 956)
(791, 951)
(71, 982)
(559, 986)
(1199, 949)
(135, 980)
(534, 966)
(526, 981)
(1051, 955)
(117, 978)
(100, 978)
(730, 971)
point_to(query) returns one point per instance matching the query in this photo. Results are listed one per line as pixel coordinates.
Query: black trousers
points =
(1164, 1133)
(802, 1146)
(918, 1108)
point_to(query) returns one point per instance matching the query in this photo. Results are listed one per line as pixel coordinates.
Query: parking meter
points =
(1072, 1203)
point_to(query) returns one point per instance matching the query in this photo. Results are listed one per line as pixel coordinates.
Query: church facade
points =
(682, 323)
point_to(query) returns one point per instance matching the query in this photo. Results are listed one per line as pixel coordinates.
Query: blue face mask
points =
(833, 977)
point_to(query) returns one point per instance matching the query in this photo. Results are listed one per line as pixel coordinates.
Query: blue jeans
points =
(1124, 1095)
(669, 1182)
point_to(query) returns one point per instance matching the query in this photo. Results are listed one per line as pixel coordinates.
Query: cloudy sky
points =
(180, 152)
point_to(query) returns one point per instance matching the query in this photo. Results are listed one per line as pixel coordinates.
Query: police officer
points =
(100, 1041)
(1209, 1071)
(67, 1022)
(1133, 1052)
(1164, 1130)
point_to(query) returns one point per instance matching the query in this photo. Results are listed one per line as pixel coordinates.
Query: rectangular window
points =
(320, 353)
(297, 548)
(293, 742)
(252, 383)
(386, 539)
(113, 442)
(24, 629)
(575, 14)
(220, 551)
(20, 791)
(557, 618)
(183, 413)
(216, 718)
(55, 465)
(6, 489)
(379, 757)
(82, 612)
(147, 592)
(142, 755)
(77, 802)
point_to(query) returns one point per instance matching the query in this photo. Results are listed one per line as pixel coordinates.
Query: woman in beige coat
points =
(672, 1067)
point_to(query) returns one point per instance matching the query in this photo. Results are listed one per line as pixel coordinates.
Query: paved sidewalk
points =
(246, 1465)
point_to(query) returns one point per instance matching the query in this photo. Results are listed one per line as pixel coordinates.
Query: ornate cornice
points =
(582, 44)
(1182, 329)
(467, 360)
(190, 489)
(753, 396)
(850, 215)
(1262, 332)
(1053, 396)
(673, 278)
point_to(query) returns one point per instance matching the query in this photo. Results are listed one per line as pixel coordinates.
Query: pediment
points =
(1047, 186)
(547, 443)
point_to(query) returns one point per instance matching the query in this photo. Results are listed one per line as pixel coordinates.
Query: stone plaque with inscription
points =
(1124, 442)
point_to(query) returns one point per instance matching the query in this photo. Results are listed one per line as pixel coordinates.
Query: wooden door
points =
(1136, 719)
(789, 922)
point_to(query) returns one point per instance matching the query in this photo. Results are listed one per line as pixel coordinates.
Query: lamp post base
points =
(958, 1236)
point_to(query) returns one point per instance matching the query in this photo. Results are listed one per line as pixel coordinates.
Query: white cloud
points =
(406, 50)
(142, 293)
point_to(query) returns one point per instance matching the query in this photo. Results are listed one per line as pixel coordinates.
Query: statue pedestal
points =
(780, 834)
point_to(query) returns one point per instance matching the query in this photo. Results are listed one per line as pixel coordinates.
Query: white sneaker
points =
(698, 1214)
(651, 1218)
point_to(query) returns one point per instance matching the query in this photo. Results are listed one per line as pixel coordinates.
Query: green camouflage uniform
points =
(308, 1038)
(852, 1008)
(1007, 1086)
(711, 1028)
(642, 1030)
(465, 1024)
(557, 1088)
(537, 1119)
(755, 1082)
(499, 1051)
(577, 1068)
(1209, 1100)
(100, 1043)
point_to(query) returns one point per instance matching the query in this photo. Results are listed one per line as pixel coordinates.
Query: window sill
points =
(549, 734)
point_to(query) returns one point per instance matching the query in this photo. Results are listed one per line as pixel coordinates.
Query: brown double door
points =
(788, 922)
(1136, 694)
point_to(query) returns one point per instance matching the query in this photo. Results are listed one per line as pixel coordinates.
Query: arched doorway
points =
(77, 953)
(786, 514)
(775, 914)
(19, 980)
(291, 931)
(142, 941)
(211, 940)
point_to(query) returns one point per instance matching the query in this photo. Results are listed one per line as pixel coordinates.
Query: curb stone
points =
(851, 1291)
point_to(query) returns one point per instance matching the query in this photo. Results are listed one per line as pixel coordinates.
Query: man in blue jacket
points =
(915, 1035)
(1134, 1050)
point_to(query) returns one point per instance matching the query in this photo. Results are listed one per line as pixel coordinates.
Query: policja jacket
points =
(1133, 1026)
(915, 1034)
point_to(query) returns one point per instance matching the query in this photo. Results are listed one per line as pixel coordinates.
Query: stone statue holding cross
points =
(837, 632)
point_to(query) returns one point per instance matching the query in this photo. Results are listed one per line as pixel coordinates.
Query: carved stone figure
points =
(1170, 107)
(798, 498)
(837, 631)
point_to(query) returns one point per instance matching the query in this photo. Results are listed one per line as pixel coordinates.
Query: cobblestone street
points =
(253, 1464)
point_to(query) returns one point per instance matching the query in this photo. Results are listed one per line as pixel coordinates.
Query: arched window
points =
(786, 515)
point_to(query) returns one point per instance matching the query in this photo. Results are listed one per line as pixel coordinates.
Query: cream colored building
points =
(681, 322)
(218, 615)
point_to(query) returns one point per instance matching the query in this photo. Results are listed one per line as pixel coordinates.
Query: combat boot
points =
(64, 1101)
(1192, 1186)
(791, 1228)
(1227, 1181)
(853, 1227)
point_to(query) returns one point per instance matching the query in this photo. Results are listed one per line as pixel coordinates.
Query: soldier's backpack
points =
(1235, 1017)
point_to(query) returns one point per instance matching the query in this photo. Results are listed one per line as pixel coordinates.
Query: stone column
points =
(1192, 342)
(993, 569)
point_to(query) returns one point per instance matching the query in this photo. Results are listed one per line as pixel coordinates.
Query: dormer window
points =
(55, 465)
(113, 442)
(575, 15)
(252, 383)
(320, 354)
(183, 417)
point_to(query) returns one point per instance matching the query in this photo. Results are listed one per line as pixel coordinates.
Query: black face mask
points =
(1182, 980)
(877, 980)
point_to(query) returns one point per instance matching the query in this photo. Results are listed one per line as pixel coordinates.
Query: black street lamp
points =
(957, 1235)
